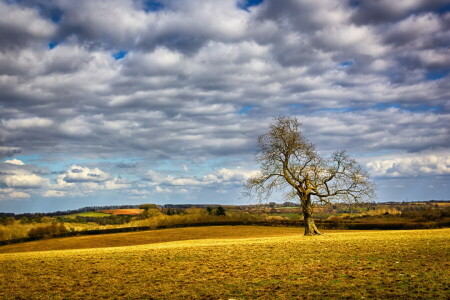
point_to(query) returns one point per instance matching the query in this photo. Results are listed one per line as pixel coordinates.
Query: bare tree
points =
(291, 164)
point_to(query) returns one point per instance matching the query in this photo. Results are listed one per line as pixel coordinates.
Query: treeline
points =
(108, 220)
(36, 216)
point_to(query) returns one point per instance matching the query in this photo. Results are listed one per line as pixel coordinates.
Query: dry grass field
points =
(231, 263)
(128, 211)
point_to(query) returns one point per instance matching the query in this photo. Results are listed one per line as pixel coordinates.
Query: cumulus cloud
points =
(230, 176)
(222, 176)
(84, 174)
(419, 165)
(20, 178)
(78, 179)
(15, 162)
(156, 178)
(20, 26)
(9, 193)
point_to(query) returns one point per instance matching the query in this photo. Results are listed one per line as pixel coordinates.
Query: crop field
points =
(93, 214)
(128, 211)
(240, 262)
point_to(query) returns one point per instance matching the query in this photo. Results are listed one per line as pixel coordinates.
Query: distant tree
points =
(209, 210)
(25, 220)
(220, 211)
(148, 206)
(47, 230)
(290, 163)
(8, 221)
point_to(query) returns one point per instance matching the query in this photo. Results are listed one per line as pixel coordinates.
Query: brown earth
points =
(128, 211)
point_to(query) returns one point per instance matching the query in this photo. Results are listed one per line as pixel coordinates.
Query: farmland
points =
(92, 214)
(232, 262)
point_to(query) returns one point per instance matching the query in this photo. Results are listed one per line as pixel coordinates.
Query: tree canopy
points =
(290, 163)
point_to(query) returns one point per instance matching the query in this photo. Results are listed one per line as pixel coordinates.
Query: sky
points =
(135, 101)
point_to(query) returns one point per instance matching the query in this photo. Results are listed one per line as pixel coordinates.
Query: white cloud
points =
(166, 190)
(9, 193)
(116, 184)
(15, 162)
(25, 123)
(54, 193)
(17, 194)
(139, 192)
(222, 176)
(84, 174)
(158, 178)
(225, 175)
(78, 179)
(417, 165)
(21, 178)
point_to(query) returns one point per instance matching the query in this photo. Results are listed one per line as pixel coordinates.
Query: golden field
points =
(240, 262)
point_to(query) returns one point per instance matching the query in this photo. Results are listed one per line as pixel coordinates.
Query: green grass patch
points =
(92, 214)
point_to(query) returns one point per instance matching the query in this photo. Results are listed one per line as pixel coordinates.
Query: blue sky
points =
(129, 102)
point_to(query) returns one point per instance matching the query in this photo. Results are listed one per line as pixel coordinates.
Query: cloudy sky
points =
(133, 101)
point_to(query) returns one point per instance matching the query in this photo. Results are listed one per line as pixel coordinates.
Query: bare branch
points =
(289, 163)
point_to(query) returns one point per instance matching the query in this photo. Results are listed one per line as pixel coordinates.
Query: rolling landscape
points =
(231, 262)
(200, 261)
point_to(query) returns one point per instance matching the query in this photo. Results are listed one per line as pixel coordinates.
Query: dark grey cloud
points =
(126, 165)
(22, 27)
(382, 11)
(6, 151)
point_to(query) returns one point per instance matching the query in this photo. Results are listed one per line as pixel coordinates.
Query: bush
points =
(47, 231)
(220, 211)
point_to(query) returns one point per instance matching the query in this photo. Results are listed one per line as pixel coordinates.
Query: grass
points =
(92, 214)
(151, 237)
(292, 216)
(246, 263)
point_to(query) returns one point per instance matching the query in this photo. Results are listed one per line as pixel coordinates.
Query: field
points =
(93, 214)
(128, 211)
(241, 262)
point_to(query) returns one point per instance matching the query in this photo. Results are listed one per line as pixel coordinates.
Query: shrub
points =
(220, 211)
(47, 231)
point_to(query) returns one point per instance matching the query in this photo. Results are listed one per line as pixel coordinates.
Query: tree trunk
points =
(310, 226)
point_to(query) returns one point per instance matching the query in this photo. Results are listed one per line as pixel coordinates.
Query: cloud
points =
(157, 179)
(84, 174)
(78, 179)
(54, 194)
(126, 165)
(6, 151)
(9, 193)
(230, 176)
(419, 165)
(222, 176)
(15, 177)
(139, 192)
(385, 11)
(26, 123)
(159, 189)
(20, 26)
(15, 162)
